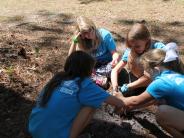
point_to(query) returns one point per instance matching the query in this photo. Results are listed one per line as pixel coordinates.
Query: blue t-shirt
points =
(55, 120)
(107, 45)
(169, 86)
(154, 45)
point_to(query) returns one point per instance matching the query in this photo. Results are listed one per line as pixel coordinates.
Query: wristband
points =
(75, 40)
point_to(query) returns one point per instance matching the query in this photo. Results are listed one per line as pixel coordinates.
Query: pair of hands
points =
(124, 88)
(123, 110)
(117, 92)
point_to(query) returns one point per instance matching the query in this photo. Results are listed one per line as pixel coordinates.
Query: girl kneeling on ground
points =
(168, 85)
(128, 73)
(68, 101)
(99, 43)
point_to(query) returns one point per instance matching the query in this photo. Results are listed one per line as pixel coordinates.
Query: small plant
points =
(37, 51)
(10, 70)
(16, 18)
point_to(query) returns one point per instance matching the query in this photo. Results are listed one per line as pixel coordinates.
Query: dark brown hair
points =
(78, 64)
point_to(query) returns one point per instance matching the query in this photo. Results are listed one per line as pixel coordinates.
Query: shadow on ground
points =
(89, 1)
(169, 31)
(45, 43)
(103, 129)
(14, 110)
(153, 129)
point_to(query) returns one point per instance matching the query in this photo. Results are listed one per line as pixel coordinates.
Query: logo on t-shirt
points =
(179, 81)
(176, 78)
(66, 91)
(69, 87)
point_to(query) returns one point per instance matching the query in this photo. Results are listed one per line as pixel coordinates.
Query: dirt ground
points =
(34, 40)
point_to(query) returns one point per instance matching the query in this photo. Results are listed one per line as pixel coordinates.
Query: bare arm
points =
(141, 100)
(143, 81)
(81, 121)
(117, 102)
(73, 46)
(115, 72)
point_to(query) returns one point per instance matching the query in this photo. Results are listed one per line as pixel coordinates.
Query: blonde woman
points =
(167, 85)
(100, 44)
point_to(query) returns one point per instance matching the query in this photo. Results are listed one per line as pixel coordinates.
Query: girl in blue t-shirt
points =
(68, 101)
(100, 44)
(167, 86)
(128, 73)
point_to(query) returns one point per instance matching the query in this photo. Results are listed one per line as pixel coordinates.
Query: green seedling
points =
(10, 70)
(37, 51)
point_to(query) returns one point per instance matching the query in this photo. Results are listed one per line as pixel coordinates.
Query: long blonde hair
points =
(155, 57)
(84, 24)
(152, 58)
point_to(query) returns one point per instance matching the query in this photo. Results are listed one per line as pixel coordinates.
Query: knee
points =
(161, 113)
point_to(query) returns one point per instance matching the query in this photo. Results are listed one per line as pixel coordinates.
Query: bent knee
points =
(162, 112)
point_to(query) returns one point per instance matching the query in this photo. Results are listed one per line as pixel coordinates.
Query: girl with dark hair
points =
(68, 101)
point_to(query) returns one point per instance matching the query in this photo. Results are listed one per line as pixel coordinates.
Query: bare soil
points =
(34, 41)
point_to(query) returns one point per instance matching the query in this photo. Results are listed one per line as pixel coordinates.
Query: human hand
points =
(114, 62)
(115, 59)
(115, 93)
(124, 88)
(77, 33)
(120, 111)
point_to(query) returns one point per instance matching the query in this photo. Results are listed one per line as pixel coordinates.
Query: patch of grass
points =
(16, 18)
(181, 1)
(37, 51)
(10, 70)
(3, 18)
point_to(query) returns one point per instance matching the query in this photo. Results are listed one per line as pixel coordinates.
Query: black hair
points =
(78, 64)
